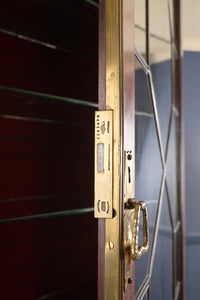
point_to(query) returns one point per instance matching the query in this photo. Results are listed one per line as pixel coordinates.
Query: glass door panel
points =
(148, 164)
(140, 26)
(156, 152)
(161, 72)
(160, 46)
(162, 276)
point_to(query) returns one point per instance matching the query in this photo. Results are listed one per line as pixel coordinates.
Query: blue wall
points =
(191, 92)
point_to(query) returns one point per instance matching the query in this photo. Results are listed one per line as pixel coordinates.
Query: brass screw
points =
(110, 245)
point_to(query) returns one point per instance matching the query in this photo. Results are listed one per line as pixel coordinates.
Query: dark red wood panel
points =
(41, 257)
(46, 156)
(31, 66)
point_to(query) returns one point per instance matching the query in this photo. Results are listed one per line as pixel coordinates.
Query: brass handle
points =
(137, 252)
(131, 230)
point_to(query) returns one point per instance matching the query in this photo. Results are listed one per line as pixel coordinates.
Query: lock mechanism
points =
(103, 197)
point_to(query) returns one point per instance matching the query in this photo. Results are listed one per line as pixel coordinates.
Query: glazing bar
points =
(147, 30)
(174, 263)
(48, 215)
(169, 205)
(143, 288)
(142, 62)
(153, 99)
(169, 132)
(149, 293)
(147, 70)
(155, 234)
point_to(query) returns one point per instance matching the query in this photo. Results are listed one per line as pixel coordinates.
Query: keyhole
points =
(129, 175)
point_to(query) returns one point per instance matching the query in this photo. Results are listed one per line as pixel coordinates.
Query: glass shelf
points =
(48, 96)
(54, 214)
(66, 25)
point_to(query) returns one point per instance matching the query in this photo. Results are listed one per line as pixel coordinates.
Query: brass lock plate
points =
(103, 202)
(128, 215)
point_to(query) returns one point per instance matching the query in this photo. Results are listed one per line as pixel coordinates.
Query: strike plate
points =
(103, 202)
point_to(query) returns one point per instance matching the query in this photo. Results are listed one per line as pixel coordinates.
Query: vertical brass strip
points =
(102, 106)
(113, 227)
(129, 132)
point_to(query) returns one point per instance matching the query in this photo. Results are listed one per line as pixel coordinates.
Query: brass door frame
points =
(116, 92)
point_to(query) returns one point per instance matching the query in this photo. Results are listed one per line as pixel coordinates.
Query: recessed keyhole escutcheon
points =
(129, 175)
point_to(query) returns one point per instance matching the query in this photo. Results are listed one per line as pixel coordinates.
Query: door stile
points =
(129, 105)
(116, 93)
(113, 227)
(178, 101)
(110, 98)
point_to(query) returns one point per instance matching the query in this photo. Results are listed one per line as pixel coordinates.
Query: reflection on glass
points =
(140, 26)
(160, 59)
(148, 165)
(161, 72)
(162, 277)
(159, 19)
(145, 297)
